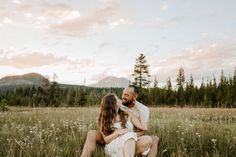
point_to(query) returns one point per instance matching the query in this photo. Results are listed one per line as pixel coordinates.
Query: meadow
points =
(61, 132)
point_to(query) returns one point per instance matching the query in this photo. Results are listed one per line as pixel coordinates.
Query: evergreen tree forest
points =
(181, 93)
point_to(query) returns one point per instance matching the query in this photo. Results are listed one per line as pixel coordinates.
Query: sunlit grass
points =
(61, 132)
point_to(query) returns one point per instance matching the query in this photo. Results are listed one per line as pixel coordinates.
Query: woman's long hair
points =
(108, 113)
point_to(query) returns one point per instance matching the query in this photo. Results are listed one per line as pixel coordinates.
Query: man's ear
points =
(135, 96)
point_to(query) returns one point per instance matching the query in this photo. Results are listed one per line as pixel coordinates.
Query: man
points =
(145, 144)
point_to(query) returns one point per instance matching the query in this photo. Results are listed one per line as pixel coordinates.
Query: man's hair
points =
(136, 91)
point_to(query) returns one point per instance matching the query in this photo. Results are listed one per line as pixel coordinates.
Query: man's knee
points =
(149, 141)
(155, 139)
(144, 141)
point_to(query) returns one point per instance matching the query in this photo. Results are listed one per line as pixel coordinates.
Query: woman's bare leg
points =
(129, 148)
(93, 136)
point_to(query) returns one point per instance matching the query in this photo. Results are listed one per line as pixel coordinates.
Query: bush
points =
(3, 105)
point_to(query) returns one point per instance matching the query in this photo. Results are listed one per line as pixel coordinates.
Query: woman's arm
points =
(114, 135)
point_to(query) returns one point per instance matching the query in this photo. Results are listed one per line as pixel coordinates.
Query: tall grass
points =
(61, 132)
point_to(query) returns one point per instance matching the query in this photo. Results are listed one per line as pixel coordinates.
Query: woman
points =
(116, 127)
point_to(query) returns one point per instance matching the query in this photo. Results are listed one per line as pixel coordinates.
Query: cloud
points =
(28, 15)
(167, 23)
(7, 20)
(202, 61)
(37, 13)
(33, 59)
(83, 25)
(62, 18)
(22, 60)
(119, 22)
(59, 11)
(164, 6)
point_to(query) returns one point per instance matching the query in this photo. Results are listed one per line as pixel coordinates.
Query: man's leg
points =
(153, 150)
(93, 136)
(143, 143)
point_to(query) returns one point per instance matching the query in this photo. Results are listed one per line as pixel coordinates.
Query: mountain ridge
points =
(111, 81)
(36, 79)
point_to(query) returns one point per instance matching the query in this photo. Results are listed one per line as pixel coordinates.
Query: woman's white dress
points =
(116, 147)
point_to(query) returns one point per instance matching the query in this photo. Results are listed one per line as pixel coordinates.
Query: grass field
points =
(61, 132)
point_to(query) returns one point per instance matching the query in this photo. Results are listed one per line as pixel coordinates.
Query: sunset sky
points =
(91, 39)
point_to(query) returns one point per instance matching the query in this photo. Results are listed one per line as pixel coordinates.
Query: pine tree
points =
(54, 93)
(234, 89)
(222, 90)
(214, 92)
(82, 97)
(169, 93)
(141, 72)
(189, 91)
(180, 87)
(201, 93)
(155, 82)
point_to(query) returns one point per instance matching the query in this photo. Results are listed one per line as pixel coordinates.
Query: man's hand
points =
(139, 132)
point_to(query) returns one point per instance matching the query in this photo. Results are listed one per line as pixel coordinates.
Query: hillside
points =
(22, 80)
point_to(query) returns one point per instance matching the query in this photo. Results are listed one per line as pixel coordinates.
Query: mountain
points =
(35, 79)
(111, 82)
(28, 80)
(22, 80)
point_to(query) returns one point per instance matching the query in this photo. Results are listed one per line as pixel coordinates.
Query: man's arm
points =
(142, 118)
(138, 123)
(139, 132)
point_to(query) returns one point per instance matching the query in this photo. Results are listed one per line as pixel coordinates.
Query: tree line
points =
(183, 94)
(52, 95)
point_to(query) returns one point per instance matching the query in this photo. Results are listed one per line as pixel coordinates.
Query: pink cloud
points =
(201, 61)
(56, 10)
(30, 60)
(83, 25)
(38, 59)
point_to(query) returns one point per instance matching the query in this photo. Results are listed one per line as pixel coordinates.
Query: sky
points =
(82, 42)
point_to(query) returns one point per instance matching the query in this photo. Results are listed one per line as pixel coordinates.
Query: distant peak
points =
(32, 74)
(24, 76)
(112, 81)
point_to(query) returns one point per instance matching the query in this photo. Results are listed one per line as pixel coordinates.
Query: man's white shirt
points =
(143, 110)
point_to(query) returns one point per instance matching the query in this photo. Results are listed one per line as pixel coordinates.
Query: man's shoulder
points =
(141, 105)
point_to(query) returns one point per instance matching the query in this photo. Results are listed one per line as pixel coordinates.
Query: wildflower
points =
(197, 134)
(191, 125)
(165, 150)
(213, 140)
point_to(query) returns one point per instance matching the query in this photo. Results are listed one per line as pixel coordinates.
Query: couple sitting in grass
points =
(122, 124)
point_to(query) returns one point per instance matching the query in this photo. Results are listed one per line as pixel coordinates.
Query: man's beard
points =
(127, 103)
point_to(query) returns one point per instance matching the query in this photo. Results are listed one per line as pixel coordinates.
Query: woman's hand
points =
(121, 131)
